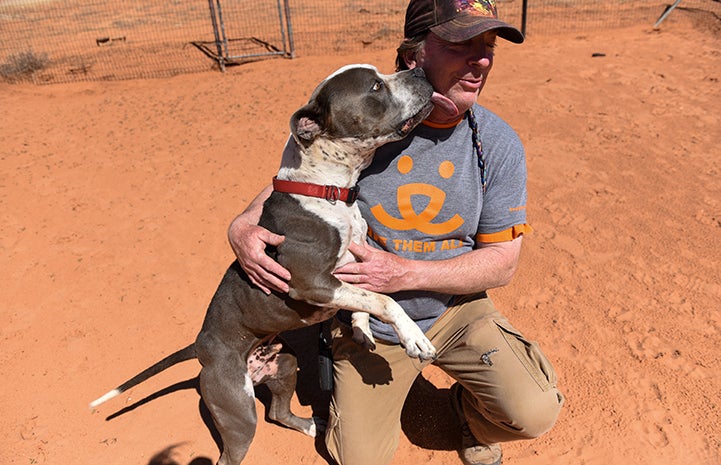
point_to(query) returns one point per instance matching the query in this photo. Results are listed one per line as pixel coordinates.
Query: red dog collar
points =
(331, 193)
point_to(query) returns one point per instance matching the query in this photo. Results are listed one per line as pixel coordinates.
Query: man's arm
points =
(492, 265)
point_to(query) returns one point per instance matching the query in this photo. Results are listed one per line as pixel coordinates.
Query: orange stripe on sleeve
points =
(505, 235)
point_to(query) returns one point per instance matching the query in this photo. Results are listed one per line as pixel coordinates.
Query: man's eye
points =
(378, 85)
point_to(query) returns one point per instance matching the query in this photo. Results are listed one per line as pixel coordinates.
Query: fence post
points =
(666, 12)
(214, 19)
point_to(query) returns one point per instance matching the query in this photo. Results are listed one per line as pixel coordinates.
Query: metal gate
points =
(229, 50)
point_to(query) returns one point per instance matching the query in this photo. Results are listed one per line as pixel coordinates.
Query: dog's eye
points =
(378, 85)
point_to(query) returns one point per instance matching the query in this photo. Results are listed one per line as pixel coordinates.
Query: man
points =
(446, 215)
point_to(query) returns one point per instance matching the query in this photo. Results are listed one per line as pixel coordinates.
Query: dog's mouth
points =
(415, 120)
(437, 100)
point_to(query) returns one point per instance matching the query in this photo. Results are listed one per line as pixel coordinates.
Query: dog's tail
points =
(182, 355)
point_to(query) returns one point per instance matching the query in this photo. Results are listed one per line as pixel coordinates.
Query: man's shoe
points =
(481, 454)
(472, 452)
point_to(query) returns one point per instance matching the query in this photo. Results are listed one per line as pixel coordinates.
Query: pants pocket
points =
(530, 356)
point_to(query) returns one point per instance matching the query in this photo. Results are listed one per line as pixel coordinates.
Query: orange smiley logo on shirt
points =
(420, 221)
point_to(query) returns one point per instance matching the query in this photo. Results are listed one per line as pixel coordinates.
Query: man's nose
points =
(481, 59)
(481, 56)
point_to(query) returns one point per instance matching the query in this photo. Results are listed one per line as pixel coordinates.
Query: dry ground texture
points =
(115, 198)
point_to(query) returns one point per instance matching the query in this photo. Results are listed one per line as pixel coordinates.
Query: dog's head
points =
(357, 102)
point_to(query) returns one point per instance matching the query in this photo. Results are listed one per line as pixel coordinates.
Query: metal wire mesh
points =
(53, 41)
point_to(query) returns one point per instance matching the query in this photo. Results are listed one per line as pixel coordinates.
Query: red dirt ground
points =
(115, 198)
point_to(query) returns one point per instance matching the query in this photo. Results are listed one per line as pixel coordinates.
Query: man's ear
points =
(305, 125)
(410, 59)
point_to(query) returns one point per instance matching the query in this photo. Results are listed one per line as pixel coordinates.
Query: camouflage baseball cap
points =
(457, 20)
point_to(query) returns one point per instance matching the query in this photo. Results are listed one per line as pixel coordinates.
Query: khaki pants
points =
(510, 387)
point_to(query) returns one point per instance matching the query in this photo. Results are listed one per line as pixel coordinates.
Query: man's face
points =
(456, 70)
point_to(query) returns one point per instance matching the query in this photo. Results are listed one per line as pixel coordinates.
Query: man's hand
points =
(375, 269)
(249, 241)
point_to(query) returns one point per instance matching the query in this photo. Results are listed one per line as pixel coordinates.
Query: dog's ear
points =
(305, 125)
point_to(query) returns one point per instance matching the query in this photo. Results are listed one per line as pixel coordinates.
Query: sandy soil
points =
(115, 198)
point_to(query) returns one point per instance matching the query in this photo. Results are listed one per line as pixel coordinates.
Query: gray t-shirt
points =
(422, 199)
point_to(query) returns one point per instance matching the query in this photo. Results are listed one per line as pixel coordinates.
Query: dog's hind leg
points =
(227, 391)
(282, 386)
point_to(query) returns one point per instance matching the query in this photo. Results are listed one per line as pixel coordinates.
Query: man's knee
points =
(526, 417)
(535, 417)
(523, 399)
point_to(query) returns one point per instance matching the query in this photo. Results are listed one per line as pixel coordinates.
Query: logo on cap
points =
(477, 7)
(449, 10)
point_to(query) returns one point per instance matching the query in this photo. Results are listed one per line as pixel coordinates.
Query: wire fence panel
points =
(559, 16)
(85, 39)
(54, 41)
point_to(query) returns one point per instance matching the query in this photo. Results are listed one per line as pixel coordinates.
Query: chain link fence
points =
(55, 41)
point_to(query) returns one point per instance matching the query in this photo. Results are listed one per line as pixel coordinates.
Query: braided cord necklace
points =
(478, 146)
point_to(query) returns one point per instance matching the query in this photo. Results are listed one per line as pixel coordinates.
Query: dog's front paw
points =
(360, 321)
(416, 343)
(421, 349)
(363, 339)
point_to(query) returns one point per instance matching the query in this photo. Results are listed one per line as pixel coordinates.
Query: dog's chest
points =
(346, 219)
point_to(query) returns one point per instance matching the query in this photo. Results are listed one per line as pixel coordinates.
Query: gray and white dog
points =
(350, 114)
